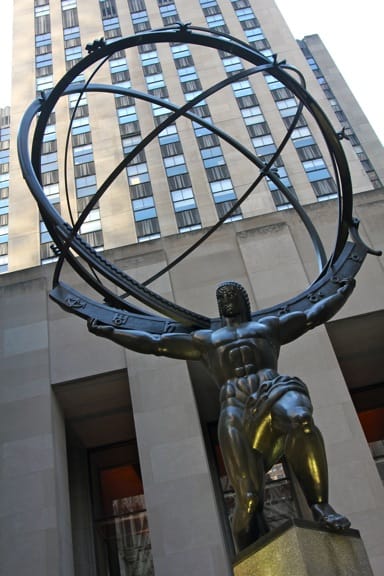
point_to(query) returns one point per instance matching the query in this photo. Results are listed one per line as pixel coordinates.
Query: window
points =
(108, 8)
(83, 154)
(222, 209)
(73, 100)
(94, 239)
(49, 162)
(168, 135)
(188, 220)
(222, 190)
(52, 192)
(68, 4)
(159, 110)
(42, 10)
(155, 81)
(42, 24)
(80, 125)
(174, 160)
(70, 18)
(92, 222)
(130, 142)
(168, 10)
(302, 132)
(4, 156)
(147, 230)
(175, 165)
(138, 173)
(287, 107)
(148, 58)
(321, 174)
(127, 114)
(144, 208)
(73, 53)
(207, 3)
(44, 83)
(43, 60)
(110, 23)
(42, 40)
(315, 164)
(252, 115)
(242, 88)
(71, 33)
(141, 16)
(216, 20)
(180, 51)
(118, 65)
(325, 188)
(232, 64)
(212, 156)
(183, 199)
(263, 141)
(44, 234)
(187, 74)
(121, 79)
(4, 262)
(244, 14)
(86, 185)
(254, 34)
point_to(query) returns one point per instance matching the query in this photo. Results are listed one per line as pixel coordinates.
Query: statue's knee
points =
(302, 420)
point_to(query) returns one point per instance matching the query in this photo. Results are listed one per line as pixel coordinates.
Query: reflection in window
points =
(120, 517)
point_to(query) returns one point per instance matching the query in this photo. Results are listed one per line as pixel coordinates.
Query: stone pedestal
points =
(301, 548)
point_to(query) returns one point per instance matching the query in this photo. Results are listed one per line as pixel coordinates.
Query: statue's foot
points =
(329, 518)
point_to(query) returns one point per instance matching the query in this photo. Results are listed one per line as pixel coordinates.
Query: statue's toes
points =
(336, 522)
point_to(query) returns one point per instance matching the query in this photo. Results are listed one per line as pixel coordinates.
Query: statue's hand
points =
(99, 329)
(347, 285)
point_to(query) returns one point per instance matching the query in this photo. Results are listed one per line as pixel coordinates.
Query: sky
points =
(352, 35)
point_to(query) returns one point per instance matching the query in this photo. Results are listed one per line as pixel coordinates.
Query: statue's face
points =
(230, 303)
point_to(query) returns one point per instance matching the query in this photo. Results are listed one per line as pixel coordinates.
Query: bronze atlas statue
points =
(264, 415)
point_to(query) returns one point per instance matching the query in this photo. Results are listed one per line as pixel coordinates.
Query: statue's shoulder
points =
(271, 321)
(202, 336)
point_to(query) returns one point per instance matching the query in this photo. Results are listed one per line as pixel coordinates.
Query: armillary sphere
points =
(97, 271)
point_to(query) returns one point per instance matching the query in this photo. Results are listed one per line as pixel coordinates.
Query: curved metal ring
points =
(66, 237)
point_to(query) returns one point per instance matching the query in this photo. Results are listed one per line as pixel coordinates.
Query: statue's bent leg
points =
(305, 452)
(245, 471)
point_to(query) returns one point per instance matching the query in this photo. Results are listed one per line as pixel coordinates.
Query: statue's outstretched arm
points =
(174, 345)
(323, 310)
(294, 324)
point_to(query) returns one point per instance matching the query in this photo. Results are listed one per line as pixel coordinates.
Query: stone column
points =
(34, 507)
(184, 524)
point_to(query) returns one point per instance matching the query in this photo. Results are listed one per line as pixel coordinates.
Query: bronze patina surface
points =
(264, 415)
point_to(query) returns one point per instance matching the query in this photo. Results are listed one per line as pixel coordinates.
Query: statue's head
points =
(232, 300)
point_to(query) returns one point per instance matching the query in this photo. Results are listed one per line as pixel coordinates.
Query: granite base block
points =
(301, 548)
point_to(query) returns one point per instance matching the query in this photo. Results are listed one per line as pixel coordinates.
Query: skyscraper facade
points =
(197, 179)
(110, 460)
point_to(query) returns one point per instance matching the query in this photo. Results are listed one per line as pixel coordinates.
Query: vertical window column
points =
(351, 136)
(82, 150)
(43, 47)
(4, 188)
(309, 153)
(209, 145)
(50, 182)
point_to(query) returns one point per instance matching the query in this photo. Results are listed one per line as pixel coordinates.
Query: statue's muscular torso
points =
(241, 357)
